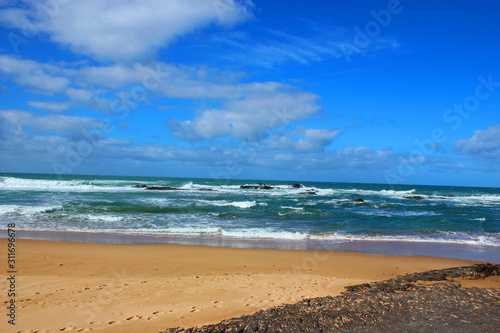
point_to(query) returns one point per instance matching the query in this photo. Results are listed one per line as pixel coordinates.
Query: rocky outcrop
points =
(251, 187)
(308, 192)
(168, 188)
(414, 197)
(162, 188)
(262, 186)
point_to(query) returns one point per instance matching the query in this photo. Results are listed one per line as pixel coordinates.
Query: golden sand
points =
(78, 287)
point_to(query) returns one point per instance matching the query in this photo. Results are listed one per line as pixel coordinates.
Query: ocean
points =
(248, 212)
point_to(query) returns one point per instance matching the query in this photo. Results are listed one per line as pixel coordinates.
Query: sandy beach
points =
(79, 287)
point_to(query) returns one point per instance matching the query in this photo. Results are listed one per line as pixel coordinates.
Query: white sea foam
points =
(189, 186)
(295, 208)
(449, 238)
(8, 209)
(275, 234)
(105, 218)
(224, 203)
(269, 233)
(265, 233)
(162, 202)
(360, 192)
(223, 215)
(243, 204)
(21, 184)
(474, 199)
(390, 213)
(190, 231)
(26, 210)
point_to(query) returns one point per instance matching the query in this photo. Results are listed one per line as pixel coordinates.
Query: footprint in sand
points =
(67, 328)
(197, 308)
(136, 317)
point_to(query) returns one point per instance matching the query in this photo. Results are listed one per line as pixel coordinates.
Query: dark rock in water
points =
(357, 200)
(308, 192)
(414, 197)
(168, 188)
(163, 188)
(262, 186)
(397, 305)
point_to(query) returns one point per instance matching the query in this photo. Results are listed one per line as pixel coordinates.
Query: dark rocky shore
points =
(422, 302)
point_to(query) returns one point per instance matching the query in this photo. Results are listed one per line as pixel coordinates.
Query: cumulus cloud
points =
(43, 77)
(47, 140)
(56, 107)
(122, 30)
(316, 139)
(484, 143)
(14, 123)
(88, 83)
(249, 118)
(79, 94)
(309, 139)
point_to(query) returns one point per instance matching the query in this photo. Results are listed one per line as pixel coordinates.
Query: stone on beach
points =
(398, 305)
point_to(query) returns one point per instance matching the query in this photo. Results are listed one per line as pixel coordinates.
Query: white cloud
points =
(314, 43)
(316, 139)
(249, 118)
(42, 140)
(484, 143)
(79, 94)
(123, 30)
(249, 109)
(70, 127)
(43, 77)
(113, 76)
(45, 140)
(310, 140)
(56, 107)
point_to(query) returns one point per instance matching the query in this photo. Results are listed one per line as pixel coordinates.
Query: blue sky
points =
(395, 92)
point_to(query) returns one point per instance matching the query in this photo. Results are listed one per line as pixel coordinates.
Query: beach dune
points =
(80, 287)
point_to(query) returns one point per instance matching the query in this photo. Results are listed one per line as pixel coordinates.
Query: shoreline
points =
(458, 251)
(79, 287)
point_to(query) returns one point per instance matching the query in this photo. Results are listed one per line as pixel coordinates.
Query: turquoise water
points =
(222, 209)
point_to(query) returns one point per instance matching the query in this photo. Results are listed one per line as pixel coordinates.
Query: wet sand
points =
(80, 287)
